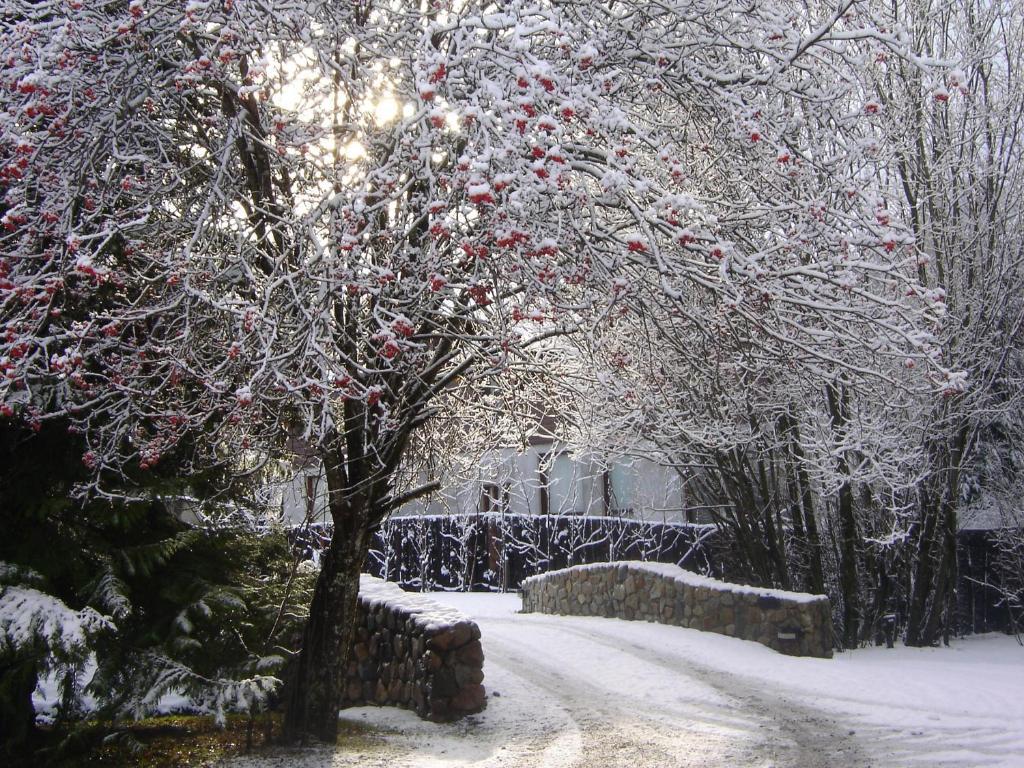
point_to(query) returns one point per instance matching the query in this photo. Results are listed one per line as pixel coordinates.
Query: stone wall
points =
(412, 653)
(794, 623)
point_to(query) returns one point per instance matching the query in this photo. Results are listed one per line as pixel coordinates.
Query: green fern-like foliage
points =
(142, 603)
(215, 617)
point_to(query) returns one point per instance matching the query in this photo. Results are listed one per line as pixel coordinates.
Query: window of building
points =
(557, 484)
(490, 498)
(620, 489)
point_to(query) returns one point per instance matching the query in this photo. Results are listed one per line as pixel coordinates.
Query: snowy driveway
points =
(593, 695)
(568, 692)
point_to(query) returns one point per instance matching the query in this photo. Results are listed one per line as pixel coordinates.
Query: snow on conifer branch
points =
(36, 622)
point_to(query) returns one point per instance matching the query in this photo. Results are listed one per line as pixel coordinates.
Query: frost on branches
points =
(837, 465)
(272, 224)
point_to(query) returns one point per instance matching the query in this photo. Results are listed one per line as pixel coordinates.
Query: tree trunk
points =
(934, 581)
(802, 499)
(775, 539)
(921, 585)
(317, 684)
(848, 577)
(934, 576)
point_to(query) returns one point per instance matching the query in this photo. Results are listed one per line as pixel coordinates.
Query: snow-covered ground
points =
(575, 691)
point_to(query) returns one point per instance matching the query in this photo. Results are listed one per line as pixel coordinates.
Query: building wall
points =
(541, 479)
(304, 499)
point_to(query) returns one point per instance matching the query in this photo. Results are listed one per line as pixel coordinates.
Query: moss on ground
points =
(178, 741)
(174, 741)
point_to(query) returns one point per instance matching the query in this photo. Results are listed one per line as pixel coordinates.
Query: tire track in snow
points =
(682, 722)
(788, 733)
(614, 729)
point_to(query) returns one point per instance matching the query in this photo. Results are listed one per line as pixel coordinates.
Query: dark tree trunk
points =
(934, 582)
(802, 499)
(932, 590)
(849, 584)
(319, 676)
(848, 578)
(735, 478)
(775, 540)
(921, 585)
(941, 617)
(359, 497)
(885, 624)
(813, 537)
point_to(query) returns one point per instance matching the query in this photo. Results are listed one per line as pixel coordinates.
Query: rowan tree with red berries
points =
(267, 224)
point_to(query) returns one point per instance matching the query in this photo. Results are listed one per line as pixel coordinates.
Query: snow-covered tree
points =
(771, 446)
(883, 461)
(290, 226)
(959, 176)
(38, 633)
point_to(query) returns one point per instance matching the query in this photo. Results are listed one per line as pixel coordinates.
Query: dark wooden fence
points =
(495, 552)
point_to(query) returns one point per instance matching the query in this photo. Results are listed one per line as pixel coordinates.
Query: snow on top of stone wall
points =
(675, 573)
(432, 616)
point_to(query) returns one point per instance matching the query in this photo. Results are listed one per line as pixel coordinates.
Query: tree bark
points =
(802, 505)
(318, 681)
(935, 568)
(921, 585)
(359, 497)
(744, 521)
(848, 536)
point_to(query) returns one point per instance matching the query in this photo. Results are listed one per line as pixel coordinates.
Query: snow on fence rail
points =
(412, 653)
(794, 623)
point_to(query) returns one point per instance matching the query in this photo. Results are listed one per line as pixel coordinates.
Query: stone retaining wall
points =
(794, 623)
(412, 653)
